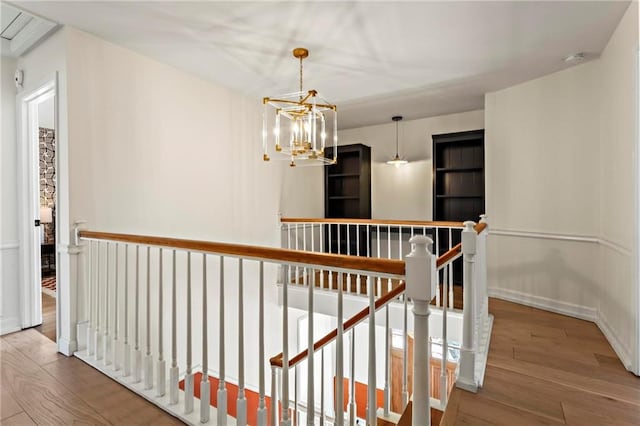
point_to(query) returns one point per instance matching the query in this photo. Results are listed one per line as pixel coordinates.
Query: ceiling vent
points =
(20, 30)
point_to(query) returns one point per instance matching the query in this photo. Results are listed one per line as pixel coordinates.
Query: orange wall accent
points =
(232, 395)
(361, 397)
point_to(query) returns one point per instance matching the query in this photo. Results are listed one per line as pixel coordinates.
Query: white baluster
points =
(273, 399)
(405, 352)
(222, 389)
(372, 405)
(241, 403)
(445, 347)
(304, 248)
(161, 365)
(389, 284)
(205, 385)
(188, 377)
(90, 288)
(466, 370)
(387, 362)
(106, 338)
(126, 348)
(321, 251)
(148, 360)
(450, 283)
(313, 243)
(330, 271)
(339, 240)
(353, 410)
(322, 415)
(296, 413)
(173, 371)
(378, 240)
(262, 408)
(420, 267)
(285, 356)
(115, 346)
(137, 372)
(97, 336)
(310, 357)
(339, 396)
(297, 271)
(368, 240)
(289, 246)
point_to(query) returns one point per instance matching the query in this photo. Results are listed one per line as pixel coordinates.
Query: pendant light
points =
(397, 161)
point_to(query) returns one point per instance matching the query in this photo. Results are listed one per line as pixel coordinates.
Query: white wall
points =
(618, 301)
(406, 192)
(560, 190)
(46, 114)
(542, 160)
(9, 289)
(156, 151)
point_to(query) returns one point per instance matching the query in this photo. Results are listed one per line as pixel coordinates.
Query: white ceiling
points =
(374, 59)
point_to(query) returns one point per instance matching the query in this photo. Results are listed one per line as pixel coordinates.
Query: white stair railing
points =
(367, 237)
(108, 329)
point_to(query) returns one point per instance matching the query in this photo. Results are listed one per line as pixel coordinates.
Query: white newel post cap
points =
(421, 269)
(469, 237)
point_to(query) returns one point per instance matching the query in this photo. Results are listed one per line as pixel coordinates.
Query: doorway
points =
(38, 199)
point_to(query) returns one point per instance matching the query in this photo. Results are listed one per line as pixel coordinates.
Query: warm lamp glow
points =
(46, 215)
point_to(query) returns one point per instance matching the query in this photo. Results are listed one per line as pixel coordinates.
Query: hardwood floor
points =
(547, 369)
(48, 326)
(43, 387)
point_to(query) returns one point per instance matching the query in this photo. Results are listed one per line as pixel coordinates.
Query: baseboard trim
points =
(559, 307)
(10, 325)
(614, 341)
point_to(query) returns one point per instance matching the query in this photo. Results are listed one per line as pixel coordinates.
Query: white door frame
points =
(28, 197)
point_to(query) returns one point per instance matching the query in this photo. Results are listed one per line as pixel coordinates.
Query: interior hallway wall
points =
(406, 192)
(10, 314)
(561, 179)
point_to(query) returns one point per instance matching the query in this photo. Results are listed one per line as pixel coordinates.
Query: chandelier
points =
(297, 125)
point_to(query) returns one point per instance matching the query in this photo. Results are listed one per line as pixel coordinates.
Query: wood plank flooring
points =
(43, 387)
(547, 369)
(48, 326)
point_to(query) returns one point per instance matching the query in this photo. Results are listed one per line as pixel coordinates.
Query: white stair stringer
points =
(163, 402)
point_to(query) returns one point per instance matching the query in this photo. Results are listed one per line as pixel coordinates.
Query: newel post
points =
(466, 377)
(421, 280)
(79, 310)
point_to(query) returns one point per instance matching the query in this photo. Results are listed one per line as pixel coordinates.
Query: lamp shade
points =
(46, 215)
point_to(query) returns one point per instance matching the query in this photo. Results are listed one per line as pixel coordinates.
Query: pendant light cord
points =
(301, 75)
(397, 139)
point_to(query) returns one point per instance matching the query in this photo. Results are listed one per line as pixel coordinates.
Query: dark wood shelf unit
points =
(347, 192)
(458, 183)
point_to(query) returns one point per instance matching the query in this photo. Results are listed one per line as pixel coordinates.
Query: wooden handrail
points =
(480, 227)
(446, 257)
(276, 361)
(388, 267)
(372, 222)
